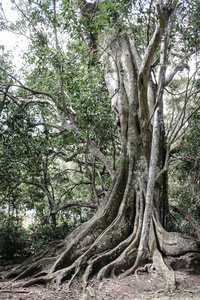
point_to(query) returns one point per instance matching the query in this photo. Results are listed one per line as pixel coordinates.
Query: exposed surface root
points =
(174, 243)
(35, 268)
(166, 272)
(158, 266)
(128, 247)
(33, 281)
(189, 262)
(107, 263)
(148, 268)
(123, 261)
(111, 250)
(29, 268)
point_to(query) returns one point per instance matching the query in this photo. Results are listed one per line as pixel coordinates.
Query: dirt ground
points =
(143, 286)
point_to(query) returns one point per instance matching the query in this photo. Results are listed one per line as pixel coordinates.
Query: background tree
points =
(184, 180)
(117, 67)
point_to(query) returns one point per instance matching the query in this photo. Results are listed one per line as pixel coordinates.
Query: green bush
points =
(18, 241)
(14, 239)
(41, 236)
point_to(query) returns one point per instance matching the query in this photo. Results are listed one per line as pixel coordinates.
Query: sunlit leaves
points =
(187, 25)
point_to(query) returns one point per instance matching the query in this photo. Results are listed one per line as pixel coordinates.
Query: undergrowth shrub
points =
(41, 236)
(14, 239)
(17, 241)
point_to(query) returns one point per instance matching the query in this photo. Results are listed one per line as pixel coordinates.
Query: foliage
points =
(14, 239)
(41, 236)
(184, 177)
(17, 241)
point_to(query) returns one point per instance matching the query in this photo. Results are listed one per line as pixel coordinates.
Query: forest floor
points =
(142, 286)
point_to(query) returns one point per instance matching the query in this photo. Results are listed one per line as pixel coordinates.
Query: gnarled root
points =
(170, 243)
(166, 272)
(106, 249)
(161, 268)
(174, 243)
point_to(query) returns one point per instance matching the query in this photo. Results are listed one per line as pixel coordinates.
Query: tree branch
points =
(188, 216)
(164, 13)
(64, 125)
(72, 203)
(10, 192)
(175, 70)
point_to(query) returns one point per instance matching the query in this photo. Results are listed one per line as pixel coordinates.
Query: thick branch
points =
(64, 125)
(72, 203)
(188, 216)
(181, 65)
(164, 13)
(174, 71)
(65, 156)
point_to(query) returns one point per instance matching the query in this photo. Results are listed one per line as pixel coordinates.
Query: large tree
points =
(135, 50)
